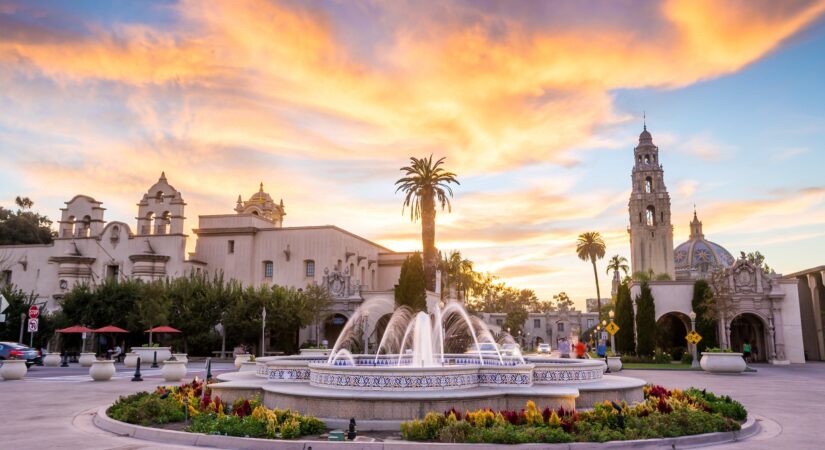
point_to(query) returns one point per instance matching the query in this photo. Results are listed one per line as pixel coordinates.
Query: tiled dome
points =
(699, 254)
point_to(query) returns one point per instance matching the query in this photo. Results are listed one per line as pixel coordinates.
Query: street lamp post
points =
(612, 337)
(692, 315)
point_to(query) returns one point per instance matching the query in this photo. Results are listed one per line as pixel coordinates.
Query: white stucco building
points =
(759, 308)
(250, 244)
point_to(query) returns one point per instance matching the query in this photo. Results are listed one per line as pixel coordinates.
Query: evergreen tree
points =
(412, 283)
(625, 339)
(645, 321)
(706, 326)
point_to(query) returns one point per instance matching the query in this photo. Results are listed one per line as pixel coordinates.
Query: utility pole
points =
(263, 331)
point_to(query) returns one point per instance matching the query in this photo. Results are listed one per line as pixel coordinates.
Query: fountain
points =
(421, 363)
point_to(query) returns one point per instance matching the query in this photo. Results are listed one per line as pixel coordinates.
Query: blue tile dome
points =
(698, 255)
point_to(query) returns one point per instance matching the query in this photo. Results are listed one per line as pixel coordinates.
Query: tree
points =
(319, 301)
(563, 302)
(425, 183)
(757, 259)
(457, 272)
(19, 304)
(617, 263)
(645, 321)
(198, 302)
(590, 247)
(705, 324)
(24, 226)
(625, 339)
(411, 289)
(514, 319)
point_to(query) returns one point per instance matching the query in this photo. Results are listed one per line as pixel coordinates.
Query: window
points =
(648, 185)
(650, 216)
(560, 326)
(499, 322)
(268, 269)
(363, 279)
(5, 277)
(590, 323)
(112, 272)
(309, 268)
(536, 323)
(230, 248)
(115, 234)
(159, 197)
(647, 159)
(147, 229)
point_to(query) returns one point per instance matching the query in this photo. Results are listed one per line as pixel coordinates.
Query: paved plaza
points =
(53, 407)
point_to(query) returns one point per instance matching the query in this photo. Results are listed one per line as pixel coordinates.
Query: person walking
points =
(746, 351)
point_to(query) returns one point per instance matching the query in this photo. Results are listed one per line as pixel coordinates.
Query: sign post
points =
(3, 305)
(34, 313)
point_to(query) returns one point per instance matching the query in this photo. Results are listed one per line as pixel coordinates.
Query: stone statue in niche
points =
(340, 284)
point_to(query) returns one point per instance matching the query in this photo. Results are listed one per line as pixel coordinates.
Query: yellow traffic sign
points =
(693, 337)
(612, 328)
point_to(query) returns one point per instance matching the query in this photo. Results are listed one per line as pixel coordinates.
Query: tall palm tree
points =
(590, 247)
(425, 182)
(457, 272)
(616, 264)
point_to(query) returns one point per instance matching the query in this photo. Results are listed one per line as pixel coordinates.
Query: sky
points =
(536, 106)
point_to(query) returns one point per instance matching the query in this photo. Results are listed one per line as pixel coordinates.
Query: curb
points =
(106, 423)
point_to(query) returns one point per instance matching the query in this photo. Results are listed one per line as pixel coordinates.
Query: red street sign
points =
(34, 311)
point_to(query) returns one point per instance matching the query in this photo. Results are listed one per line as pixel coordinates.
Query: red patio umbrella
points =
(110, 329)
(161, 329)
(78, 329)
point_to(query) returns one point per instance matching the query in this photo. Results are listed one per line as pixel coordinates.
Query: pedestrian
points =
(117, 353)
(564, 348)
(746, 351)
(581, 349)
(754, 353)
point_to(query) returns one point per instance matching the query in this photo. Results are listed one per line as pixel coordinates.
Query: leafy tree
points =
(563, 302)
(757, 259)
(590, 247)
(19, 304)
(197, 303)
(625, 339)
(706, 326)
(457, 272)
(514, 320)
(645, 321)
(411, 289)
(24, 226)
(426, 183)
(318, 302)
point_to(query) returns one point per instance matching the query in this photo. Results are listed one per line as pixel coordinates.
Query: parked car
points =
(544, 348)
(13, 350)
(483, 348)
(510, 349)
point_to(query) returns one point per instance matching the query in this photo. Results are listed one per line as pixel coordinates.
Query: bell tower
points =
(651, 233)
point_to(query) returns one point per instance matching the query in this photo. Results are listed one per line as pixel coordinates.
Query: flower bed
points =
(664, 413)
(210, 415)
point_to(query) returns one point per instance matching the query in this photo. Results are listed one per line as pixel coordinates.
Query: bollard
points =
(208, 369)
(352, 433)
(137, 376)
(155, 359)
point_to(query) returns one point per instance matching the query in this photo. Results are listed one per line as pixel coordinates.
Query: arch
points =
(159, 197)
(333, 324)
(85, 227)
(648, 185)
(162, 223)
(671, 330)
(752, 328)
(381, 327)
(255, 213)
(68, 230)
(647, 159)
(147, 227)
(650, 216)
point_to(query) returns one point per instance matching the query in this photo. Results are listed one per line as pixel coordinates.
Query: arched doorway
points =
(748, 327)
(380, 328)
(671, 331)
(333, 326)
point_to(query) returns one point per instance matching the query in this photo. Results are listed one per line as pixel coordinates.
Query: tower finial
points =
(644, 120)
(262, 187)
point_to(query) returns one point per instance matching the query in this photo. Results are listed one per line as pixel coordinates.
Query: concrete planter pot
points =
(713, 362)
(181, 357)
(146, 354)
(51, 360)
(102, 370)
(13, 369)
(248, 366)
(86, 359)
(614, 363)
(173, 370)
(240, 359)
(130, 360)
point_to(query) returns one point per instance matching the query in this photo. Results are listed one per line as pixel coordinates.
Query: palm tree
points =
(457, 272)
(590, 247)
(425, 183)
(616, 264)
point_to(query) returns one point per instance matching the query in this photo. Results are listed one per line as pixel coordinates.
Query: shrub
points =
(687, 358)
(661, 357)
(145, 409)
(455, 432)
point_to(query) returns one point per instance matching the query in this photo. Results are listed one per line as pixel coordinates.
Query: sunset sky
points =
(536, 105)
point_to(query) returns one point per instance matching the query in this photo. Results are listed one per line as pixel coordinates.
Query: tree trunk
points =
(430, 255)
(598, 293)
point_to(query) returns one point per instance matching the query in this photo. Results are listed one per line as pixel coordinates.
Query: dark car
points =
(13, 350)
